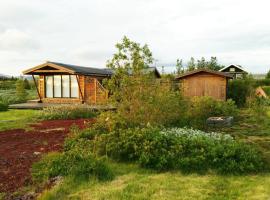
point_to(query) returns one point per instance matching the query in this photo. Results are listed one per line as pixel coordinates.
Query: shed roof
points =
(204, 70)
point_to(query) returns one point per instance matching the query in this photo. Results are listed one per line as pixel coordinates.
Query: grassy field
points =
(16, 119)
(135, 183)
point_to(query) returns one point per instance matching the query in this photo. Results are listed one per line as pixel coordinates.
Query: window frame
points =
(70, 88)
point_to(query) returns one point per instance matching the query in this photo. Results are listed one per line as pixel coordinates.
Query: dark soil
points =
(20, 148)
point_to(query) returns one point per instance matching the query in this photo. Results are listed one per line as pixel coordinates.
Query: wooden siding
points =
(204, 84)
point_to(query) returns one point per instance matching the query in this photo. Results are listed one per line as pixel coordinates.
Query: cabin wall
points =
(204, 84)
(61, 100)
(90, 87)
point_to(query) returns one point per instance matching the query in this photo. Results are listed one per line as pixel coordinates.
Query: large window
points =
(49, 86)
(61, 86)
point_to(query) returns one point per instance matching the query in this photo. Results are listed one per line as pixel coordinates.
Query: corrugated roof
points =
(204, 70)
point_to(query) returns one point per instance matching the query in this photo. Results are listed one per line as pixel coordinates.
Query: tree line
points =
(202, 63)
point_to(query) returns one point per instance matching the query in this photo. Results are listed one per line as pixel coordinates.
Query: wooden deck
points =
(40, 106)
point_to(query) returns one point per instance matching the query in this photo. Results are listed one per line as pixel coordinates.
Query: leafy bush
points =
(184, 149)
(200, 108)
(67, 112)
(75, 163)
(20, 90)
(239, 90)
(266, 90)
(3, 107)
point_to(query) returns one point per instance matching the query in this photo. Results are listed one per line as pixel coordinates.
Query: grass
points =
(16, 119)
(135, 183)
(253, 131)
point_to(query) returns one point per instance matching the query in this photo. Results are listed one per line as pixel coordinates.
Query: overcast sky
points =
(84, 32)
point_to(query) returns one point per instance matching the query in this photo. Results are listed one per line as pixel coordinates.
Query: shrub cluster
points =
(200, 108)
(239, 90)
(69, 111)
(3, 106)
(182, 149)
(266, 90)
(77, 162)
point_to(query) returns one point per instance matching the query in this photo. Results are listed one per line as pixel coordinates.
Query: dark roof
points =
(204, 70)
(76, 69)
(84, 70)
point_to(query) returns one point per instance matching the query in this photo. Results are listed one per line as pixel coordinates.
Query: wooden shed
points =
(64, 83)
(204, 82)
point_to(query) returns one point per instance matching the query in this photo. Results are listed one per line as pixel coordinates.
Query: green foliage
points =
(179, 67)
(137, 95)
(78, 163)
(27, 84)
(67, 112)
(200, 108)
(7, 84)
(130, 59)
(3, 107)
(20, 90)
(266, 90)
(185, 149)
(239, 90)
(212, 64)
(268, 75)
(191, 64)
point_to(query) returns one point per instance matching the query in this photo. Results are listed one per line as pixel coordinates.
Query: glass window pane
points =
(57, 86)
(65, 85)
(49, 86)
(74, 86)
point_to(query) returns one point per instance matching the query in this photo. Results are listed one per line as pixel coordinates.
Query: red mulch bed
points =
(20, 148)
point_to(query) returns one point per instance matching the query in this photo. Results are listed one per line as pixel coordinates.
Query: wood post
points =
(36, 87)
(80, 88)
(95, 90)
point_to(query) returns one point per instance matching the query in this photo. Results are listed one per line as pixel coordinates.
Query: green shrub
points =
(185, 149)
(3, 107)
(266, 90)
(20, 90)
(67, 112)
(72, 163)
(239, 90)
(200, 108)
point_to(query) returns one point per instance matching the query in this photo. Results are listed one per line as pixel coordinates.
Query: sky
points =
(84, 32)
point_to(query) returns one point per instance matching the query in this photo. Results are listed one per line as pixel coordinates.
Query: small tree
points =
(20, 90)
(131, 58)
(179, 67)
(201, 64)
(191, 64)
(27, 84)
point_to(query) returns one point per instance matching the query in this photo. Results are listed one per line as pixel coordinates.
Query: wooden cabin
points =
(236, 71)
(204, 82)
(64, 83)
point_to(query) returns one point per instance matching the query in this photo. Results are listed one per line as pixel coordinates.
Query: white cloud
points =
(14, 40)
(84, 32)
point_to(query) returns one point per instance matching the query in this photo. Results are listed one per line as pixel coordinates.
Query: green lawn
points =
(135, 183)
(16, 119)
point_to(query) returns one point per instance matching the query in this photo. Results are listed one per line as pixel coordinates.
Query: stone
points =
(219, 121)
